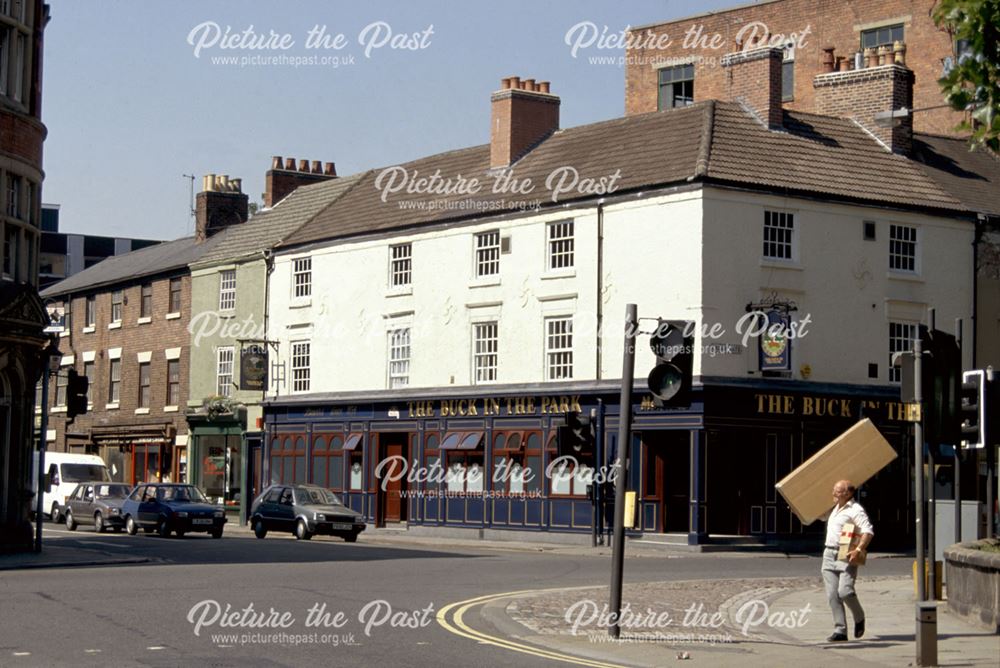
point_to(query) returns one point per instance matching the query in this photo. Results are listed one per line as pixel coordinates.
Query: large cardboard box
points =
(856, 455)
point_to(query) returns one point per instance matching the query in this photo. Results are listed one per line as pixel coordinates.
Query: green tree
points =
(973, 84)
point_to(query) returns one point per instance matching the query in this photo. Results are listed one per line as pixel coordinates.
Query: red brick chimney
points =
(861, 94)
(523, 114)
(753, 77)
(220, 203)
(283, 177)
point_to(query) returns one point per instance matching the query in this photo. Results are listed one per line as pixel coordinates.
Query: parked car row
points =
(302, 510)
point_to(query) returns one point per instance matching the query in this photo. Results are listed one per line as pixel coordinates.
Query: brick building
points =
(679, 62)
(22, 317)
(127, 330)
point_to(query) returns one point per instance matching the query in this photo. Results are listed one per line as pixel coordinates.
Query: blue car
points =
(166, 508)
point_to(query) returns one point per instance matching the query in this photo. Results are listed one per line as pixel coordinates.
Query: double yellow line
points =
(460, 628)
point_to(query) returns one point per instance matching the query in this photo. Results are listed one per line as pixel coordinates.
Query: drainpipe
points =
(977, 238)
(600, 283)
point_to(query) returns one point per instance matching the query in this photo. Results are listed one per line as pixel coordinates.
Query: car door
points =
(148, 506)
(285, 510)
(83, 511)
(73, 503)
(268, 508)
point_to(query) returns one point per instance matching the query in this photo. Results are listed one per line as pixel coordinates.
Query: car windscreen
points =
(316, 496)
(84, 472)
(182, 494)
(112, 491)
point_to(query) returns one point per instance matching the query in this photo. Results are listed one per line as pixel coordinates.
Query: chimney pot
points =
(317, 167)
(237, 185)
(828, 59)
(519, 122)
(529, 84)
(515, 82)
(505, 83)
(329, 169)
(899, 53)
(304, 166)
(209, 182)
(276, 162)
(543, 86)
(221, 205)
(290, 164)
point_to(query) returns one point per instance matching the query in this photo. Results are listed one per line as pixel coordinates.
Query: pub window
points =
(227, 290)
(488, 253)
(485, 343)
(778, 230)
(510, 461)
(561, 243)
(570, 477)
(357, 470)
(432, 460)
(901, 335)
(676, 86)
(883, 36)
(399, 358)
(559, 348)
(400, 265)
(328, 462)
(465, 460)
(302, 277)
(903, 248)
(300, 366)
(146, 301)
(288, 460)
(224, 371)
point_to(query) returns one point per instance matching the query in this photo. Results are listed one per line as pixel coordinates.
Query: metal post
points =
(694, 487)
(918, 472)
(44, 427)
(932, 526)
(622, 468)
(958, 448)
(599, 464)
(991, 459)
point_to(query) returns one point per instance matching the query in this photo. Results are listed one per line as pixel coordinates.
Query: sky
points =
(138, 94)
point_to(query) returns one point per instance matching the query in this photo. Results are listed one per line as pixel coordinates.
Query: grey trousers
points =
(838, 577)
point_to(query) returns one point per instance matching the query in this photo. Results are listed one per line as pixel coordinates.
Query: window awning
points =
(462, 440)
(352, 441)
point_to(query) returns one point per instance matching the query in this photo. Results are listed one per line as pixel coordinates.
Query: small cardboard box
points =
(847, 542)
(856, 455)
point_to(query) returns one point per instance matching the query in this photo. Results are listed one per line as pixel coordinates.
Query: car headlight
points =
(220, 513)
(319, 517)
(116, 511)
(182, 514)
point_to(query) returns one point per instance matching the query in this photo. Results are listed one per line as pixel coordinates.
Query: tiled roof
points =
(158, 259)
(971, 176)
(712, 141)
(270, 226)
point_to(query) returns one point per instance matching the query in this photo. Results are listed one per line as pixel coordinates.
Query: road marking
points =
(155, 648)
(22, 653)
(466, 631)
(97, 542)
(92, 651)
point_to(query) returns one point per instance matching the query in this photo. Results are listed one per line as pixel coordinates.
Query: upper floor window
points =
(90, 311)
(10, 250)
(116, 306)
(144, 387)
(114, 380)
(20, 62)
(13, 196)
(559, 348)
(902, 248)
(173, 382)
(302, 277)
(175, 296)
(485, 344)
(561, 244)
(884, 36)
(146, 301)
(89, 372)
(399, 358)
(62, 381)
(488, 253)
(300, 366)
(227, 290)
(400, 265)
(901, 335)
(224, 371)
(5, 34)
(778, 228)
(676, 86)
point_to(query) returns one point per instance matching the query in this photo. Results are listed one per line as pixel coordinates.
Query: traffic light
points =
(941, 380)
(974, 405)
(670, 379)
(577, 436)
(76, 393)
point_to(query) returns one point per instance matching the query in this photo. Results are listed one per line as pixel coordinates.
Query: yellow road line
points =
(466, 631)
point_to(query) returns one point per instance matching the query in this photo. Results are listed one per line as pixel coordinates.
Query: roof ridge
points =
(705, 147)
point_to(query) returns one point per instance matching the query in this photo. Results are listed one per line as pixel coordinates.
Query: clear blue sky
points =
(130, 109)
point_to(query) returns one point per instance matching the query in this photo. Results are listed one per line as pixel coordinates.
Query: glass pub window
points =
(902, 248)
(778, 235)
(302, 277)
(227, 290)
(488, 253)
(484, 355)
(676, 86)
(560, 244)
(400, 265)
(399, 358)
(884, 36)
(558, 348)
(300, 366)
(901, 335)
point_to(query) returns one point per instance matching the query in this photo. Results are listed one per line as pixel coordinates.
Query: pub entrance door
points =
(392, 481)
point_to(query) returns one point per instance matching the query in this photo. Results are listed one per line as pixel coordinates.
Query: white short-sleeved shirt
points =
(841, 515)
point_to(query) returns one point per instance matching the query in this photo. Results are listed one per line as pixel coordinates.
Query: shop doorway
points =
(666, 477)
(391, 483)
(151, 463)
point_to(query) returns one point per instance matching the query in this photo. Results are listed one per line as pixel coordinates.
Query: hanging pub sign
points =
(775, 352)
(253, 366)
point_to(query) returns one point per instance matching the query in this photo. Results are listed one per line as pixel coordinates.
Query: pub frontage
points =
(491, 461)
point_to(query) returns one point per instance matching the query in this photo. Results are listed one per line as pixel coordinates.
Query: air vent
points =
(505, 245)
(869, 230)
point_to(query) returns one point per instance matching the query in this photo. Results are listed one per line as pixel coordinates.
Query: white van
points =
(65, 470)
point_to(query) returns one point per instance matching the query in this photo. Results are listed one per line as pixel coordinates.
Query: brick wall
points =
(520, 118)
(863, 93)
(836, 23)
(755, 77)
(283, 177)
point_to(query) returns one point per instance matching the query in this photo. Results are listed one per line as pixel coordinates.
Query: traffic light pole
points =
(40, 481)
(918, 473)
(621, 468)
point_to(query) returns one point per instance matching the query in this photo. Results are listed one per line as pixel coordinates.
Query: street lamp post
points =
(52, 359)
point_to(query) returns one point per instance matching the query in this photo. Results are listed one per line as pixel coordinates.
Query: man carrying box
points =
(839, 576)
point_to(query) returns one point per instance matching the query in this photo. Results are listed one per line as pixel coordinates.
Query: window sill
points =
(907, 276)
(485, 282)
(791, 265)
(559, 273)
(170, 409)
(172, 316)
(301, 302)
(58, 409)
(115, 325)
(399, 292)
(144, 321)
(227, 313)
(89, 330)
(63, 334)
(142, 411)
(111, 407)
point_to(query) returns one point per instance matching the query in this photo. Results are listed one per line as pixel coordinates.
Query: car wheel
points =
(130, 526)
(98, 522)
(302, 531)
(70, 522)
(259, 529)
(55, 515)
(216, 533)
(163, 528)
(351, 538)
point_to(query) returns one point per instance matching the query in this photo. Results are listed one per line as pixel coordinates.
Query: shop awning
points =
(462, 440)
(352, 441)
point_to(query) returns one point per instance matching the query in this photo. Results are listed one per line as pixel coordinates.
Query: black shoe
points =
(859, 628)
(837, 637)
